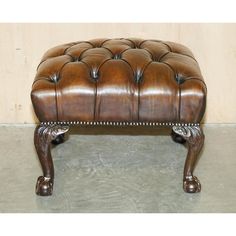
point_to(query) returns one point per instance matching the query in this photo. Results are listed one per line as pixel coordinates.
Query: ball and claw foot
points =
(59, 139)
(44, 186)
(191, 184)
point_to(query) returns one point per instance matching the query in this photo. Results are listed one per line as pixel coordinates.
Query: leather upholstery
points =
(119, 80)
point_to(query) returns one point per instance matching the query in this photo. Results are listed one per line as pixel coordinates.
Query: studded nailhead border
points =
(118, 123)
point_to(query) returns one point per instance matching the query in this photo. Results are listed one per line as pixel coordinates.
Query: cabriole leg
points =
(43, 136)
(177, 138)
(59, 139)
(195, 138)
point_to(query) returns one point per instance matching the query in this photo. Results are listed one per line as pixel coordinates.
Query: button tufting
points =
(155, 59)
(75, 59)
(54, 78)
(118, 82)
(179, 79)
(138, 76)
(117, 56)
(94, 74)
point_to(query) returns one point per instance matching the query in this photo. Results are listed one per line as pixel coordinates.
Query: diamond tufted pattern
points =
(119, 80)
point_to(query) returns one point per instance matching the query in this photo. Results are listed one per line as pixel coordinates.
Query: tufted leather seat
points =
(119, 80)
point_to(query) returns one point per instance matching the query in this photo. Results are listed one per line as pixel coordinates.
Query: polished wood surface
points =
(59, 139)
(177, 138)
(195, 139)
(43, 137)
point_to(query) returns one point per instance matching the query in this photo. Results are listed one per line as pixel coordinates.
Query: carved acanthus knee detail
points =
(43, 136)
(47, 133)
(195, 138)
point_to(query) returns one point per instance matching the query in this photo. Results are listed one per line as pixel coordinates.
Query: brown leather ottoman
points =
(118, 82)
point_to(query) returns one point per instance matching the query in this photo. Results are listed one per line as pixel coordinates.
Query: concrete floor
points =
(107, 169)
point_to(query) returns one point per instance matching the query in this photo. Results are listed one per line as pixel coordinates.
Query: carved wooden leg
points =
(59, 139)
(43, 136)
(195, 138)
(177, 138)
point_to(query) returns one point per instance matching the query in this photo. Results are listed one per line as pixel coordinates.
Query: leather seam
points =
(41, 78)
(56, 100)
(169, 67)
(200, 80)
(73, 44)
(58, 91)
(139, 84)
(108, 50)
(163, 55)
(130, 42)
(128, 65)
(125, 50)
(167, 45)
(81, 54)
(143, 41)
(95, 102)
(171, 50)
(179, 102)
(106, 40)
(89, 43)
(99, 67)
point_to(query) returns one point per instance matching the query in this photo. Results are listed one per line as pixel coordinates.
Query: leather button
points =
(75, 59)
(54, 78)
(179, 79)
(138, 76)
(117, 56)
(94, 74)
